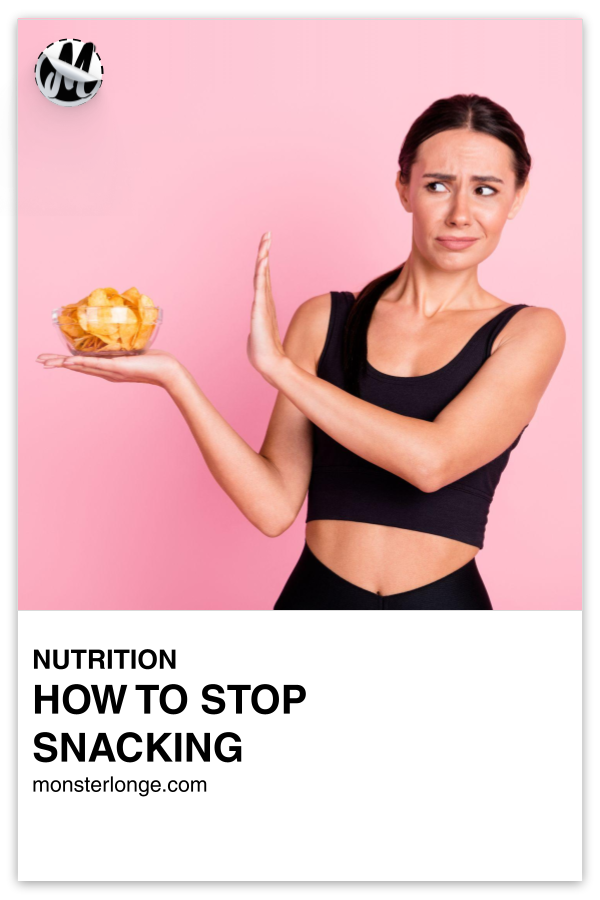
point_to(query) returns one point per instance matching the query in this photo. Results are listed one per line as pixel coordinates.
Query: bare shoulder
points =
(540, 321)
(307, 331)
(539, 330)
(314, 308)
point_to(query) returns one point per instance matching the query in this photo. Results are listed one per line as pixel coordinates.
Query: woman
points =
(397, 407)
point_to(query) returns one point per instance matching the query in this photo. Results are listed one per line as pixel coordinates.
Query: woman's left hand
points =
(264, 347)
(151, 367)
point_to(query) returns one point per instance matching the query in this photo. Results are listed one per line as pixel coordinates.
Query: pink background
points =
(205, 134)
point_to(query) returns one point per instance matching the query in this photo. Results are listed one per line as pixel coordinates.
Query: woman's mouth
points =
(452, 243)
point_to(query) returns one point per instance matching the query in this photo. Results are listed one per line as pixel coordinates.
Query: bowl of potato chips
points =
(107, 323)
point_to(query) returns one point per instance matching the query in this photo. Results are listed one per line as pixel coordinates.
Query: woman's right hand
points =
(152, 367)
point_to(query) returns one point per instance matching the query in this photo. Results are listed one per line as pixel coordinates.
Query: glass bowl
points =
(107, 330)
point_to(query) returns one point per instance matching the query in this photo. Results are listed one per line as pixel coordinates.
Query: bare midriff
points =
(383, 559)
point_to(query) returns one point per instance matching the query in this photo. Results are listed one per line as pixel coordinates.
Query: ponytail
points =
(354, 349)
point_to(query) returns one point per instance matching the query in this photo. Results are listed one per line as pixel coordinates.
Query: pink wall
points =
(166, 180)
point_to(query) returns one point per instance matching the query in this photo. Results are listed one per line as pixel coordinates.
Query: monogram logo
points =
(69, 72)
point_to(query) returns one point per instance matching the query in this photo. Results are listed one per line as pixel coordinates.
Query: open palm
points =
(152, 367)
(264, 344)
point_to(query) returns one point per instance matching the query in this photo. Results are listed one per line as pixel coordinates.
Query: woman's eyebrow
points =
(443, 177)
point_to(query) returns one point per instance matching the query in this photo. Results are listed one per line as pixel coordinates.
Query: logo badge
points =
(69, 72)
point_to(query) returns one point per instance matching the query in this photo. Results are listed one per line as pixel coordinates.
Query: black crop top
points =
(346, 486)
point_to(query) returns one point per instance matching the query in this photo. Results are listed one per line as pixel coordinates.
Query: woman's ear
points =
(518, 201)
(403, 193)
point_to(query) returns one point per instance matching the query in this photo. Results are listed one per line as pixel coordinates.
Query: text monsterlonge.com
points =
(140, 786)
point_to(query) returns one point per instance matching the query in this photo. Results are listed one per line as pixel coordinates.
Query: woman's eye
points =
(431, 186)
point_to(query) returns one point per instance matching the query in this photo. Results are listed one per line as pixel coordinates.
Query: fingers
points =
(55, 358)
(92, 365)
(105, 376)
(268, 274)
(268, 290)
(259, 275)
(262, 261)
(266, 238)
(263, 249)
(103, 363)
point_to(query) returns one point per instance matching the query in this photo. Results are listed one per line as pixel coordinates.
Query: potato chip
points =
(129, 330)
(105, 316)
(128, 334)
(98, 298)
(143, 337)
(98, 322)
(104, 297)
(107, 332)
(82, 317)
(131, 297)
(148, 316)
(70, 326)
(107, 337)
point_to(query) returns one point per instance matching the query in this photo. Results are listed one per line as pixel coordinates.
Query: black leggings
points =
(313, 585)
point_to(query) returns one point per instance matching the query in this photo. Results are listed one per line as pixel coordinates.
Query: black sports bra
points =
(346, 486)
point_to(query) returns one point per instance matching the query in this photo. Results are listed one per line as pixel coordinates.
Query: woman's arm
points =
(474, 428)
(268, 487)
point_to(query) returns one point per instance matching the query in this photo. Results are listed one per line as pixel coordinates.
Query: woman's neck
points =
(430, 290)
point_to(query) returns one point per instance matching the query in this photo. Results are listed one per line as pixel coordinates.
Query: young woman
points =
(398, 406)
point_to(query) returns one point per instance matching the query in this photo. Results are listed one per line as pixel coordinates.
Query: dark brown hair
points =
(468, 111)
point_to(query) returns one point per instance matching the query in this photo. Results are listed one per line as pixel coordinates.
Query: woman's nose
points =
(460, 211)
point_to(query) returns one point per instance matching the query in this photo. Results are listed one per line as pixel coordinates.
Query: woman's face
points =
(461, 186)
